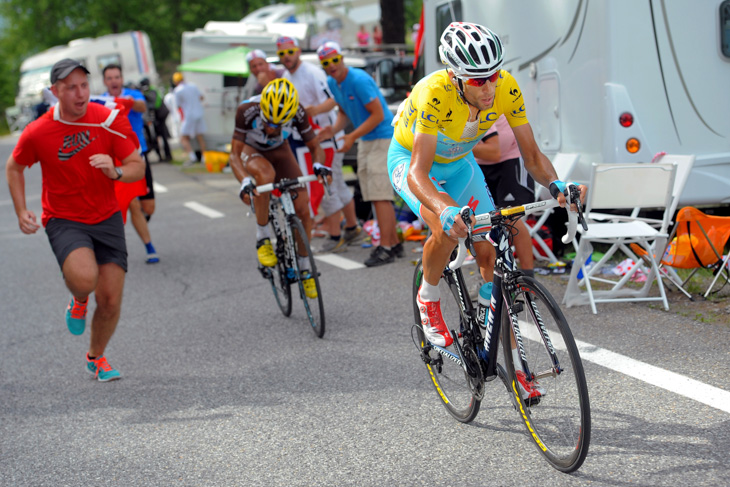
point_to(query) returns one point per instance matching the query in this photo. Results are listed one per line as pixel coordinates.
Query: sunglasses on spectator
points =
(334, 60)
(482, 81)
(284, 52)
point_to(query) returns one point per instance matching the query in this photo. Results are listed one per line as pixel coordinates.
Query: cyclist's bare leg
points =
(523, 245)
(437, 249)
(262, 172)
(301, 207)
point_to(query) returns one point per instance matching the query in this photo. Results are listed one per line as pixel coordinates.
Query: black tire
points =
(313, 306)
(558, 422)
(280, 284)
(447, 376)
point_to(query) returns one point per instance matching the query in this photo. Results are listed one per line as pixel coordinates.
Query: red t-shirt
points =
(72, 188)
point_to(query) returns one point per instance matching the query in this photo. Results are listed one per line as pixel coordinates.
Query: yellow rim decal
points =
(527, 421)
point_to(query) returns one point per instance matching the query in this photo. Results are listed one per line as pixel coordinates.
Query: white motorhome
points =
(597, 74)
(131, 50)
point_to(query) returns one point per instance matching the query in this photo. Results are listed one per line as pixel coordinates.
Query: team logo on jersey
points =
(410, 109)
(448, 116)
(398, 177)
(516, 93)
(427, 116)
(434, 103)
(73, 144)
(520, 112)
(491, 116)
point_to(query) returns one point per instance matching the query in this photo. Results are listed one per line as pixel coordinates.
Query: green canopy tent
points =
(231, 62)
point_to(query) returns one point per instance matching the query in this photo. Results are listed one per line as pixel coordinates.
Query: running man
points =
(76, 143)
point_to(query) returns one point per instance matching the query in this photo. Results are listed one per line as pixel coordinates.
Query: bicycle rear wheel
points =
(314, 306)
(559, 421)
(453, 385)
(277, 275)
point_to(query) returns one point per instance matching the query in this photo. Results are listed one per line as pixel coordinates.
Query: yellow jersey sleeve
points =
(508, 100)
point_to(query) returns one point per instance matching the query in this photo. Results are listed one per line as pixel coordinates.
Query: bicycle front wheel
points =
(557, 412)
(444, 364)
(277, 275)
(313, 303)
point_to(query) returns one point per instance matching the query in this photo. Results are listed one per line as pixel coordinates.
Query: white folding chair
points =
(564, 165)
(622, 186)
(684, 167)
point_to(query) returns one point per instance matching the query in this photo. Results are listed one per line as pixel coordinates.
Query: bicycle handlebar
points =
(285, 183)
(497, 216)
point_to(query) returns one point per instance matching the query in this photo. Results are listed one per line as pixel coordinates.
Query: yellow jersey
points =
(435, 107)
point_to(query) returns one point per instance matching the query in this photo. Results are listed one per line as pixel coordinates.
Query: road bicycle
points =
(290, 240)
(536, 343)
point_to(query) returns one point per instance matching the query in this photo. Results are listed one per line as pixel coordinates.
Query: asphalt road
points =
(220, 389)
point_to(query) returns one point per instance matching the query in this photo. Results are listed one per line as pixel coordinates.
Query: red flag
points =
(314, 188)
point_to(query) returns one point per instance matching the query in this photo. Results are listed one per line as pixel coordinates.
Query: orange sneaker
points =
(433, 322)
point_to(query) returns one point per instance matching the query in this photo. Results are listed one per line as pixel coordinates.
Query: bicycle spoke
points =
(446, 373)
(313, 305)
(558, 419)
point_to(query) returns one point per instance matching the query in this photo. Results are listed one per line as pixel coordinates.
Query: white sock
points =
(303, 263)
(262, 232)
(429, 292)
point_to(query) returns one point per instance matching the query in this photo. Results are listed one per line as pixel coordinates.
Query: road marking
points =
(204, 210)
(158, 187)
(340, 262)
(671, 381)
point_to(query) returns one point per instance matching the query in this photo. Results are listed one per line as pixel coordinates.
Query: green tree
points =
(33, 26)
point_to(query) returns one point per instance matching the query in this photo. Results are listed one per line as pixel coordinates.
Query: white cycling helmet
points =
(471, 50)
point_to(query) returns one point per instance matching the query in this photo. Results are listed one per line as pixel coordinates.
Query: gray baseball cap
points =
(63, 68)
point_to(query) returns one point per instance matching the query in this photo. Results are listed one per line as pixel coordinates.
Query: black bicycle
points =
(290, 241)
(538, 347)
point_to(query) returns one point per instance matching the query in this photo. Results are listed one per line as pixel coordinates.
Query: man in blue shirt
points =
(360, 100)
(142, 208)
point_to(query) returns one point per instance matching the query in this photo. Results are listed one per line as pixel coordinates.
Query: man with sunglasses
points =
(361, 102)
(430, 160)
(260, 155)
(318, 102)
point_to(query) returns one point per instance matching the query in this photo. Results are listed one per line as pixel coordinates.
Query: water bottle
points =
(485, 297)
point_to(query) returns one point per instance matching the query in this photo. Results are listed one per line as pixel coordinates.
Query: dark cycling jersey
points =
(250, 126)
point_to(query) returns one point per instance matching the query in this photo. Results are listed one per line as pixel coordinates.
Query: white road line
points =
(204, 210)
(340, 262)
(671, 381)
(158, 187)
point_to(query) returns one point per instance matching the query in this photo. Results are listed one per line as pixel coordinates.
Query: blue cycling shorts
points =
(463, 180)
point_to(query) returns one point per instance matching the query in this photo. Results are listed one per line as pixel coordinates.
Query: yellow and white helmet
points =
(279, 101)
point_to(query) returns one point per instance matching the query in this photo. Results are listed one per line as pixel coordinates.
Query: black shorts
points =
(509, 182)
(148, 179)
(105, 238)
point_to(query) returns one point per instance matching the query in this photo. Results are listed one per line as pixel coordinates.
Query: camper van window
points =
(725, 27)
(234, 81)
(107, 59)
(444, 17)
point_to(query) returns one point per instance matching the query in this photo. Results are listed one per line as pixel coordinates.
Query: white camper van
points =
(602, 76)
(131, 50)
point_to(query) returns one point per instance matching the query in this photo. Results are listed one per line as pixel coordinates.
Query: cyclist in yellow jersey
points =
(430, 162)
